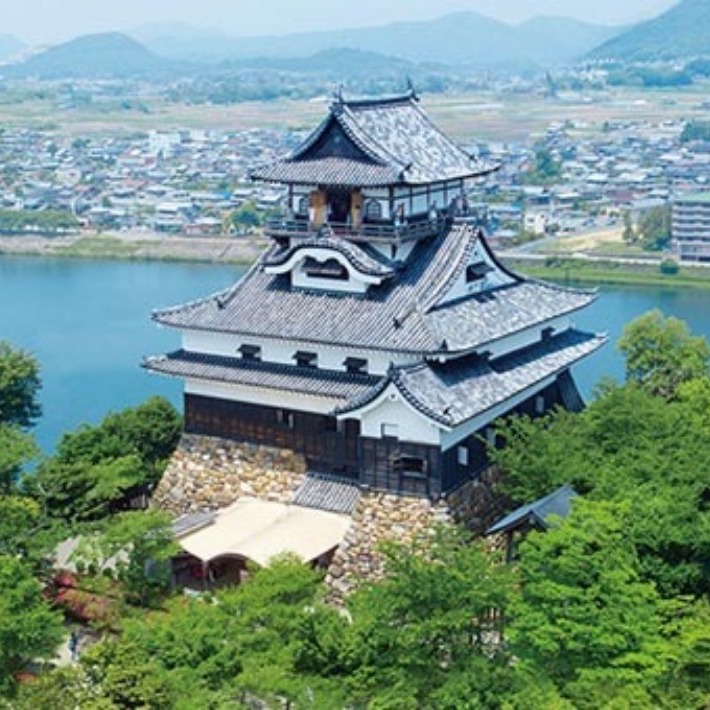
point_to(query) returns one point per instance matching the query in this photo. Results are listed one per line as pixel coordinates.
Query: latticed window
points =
(373, 210)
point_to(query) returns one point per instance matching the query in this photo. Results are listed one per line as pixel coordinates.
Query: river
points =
(88, 323)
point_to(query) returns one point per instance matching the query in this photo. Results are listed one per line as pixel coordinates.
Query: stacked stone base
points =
(209, 473)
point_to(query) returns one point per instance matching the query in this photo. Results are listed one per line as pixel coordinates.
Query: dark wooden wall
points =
(382, 469)
(316, 436)
(382, 464)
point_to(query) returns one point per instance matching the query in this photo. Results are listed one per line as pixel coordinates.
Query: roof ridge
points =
(440, 291)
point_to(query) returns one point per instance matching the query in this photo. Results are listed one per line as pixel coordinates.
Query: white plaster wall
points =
(528, 336)
(265, 397)
(522, 339)
(280, 351)
(493, 279)
(391, 409)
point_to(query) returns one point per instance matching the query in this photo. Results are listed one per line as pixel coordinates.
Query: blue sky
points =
(39, 21)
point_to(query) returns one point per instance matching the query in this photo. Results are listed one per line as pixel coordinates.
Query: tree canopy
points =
(19, 386)
(661, 353)
(94, 468)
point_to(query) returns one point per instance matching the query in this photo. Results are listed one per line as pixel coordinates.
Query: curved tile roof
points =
(339, 386)
(397, 315)
(457, 391)
(390, 141)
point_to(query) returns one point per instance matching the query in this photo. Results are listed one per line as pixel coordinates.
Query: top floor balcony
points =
(370, 232)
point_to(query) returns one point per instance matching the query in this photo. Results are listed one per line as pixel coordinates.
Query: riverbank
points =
(598, 272)
(139, 245)
(244, 250)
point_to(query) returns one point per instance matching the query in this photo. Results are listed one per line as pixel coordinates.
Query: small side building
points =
(532, 516)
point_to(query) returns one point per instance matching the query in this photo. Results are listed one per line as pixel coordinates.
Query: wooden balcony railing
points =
(371, 232)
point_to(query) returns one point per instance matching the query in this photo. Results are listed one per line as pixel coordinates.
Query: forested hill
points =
(682, 31)
(109, 54)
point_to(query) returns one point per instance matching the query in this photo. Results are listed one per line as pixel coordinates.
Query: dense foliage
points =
(42, 222)
(96, 468)
(695, 131)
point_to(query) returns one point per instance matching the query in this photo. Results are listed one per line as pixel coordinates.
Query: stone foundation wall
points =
(207, 473)
(478, 504)
(379, 517)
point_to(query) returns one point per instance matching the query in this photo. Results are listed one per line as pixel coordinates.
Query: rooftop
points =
(538, 513)
(366, 143)
(407, 313)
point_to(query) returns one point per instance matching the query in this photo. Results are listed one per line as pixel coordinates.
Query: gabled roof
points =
(407, 313)
(374, 142)
(537, 513)
(458, 391)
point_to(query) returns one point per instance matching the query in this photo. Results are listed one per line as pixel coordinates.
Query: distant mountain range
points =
(683, 31)
(105, 55)
(463, 39)
(460, 38)
(331, 62)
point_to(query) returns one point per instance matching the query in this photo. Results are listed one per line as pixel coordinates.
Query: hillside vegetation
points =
(682, 31)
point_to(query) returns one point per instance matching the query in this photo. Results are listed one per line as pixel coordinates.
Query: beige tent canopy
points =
(259, 530)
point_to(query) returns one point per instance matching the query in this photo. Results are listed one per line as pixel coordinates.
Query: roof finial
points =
(411, 90)
(338, 94)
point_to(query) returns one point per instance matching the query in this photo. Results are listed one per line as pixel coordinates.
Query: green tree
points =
(429, 634)
(28, 627)
(661, 353)
(16, 448)
(629, 234)
(19, 386)
(247, 216)
(134, 548)
(655, 228)
(545, 168)
(584, 618)
(94, 468)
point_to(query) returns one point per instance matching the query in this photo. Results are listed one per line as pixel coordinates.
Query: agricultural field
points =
(490, 116)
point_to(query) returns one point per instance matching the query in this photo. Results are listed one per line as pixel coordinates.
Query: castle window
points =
(303, 204)
(540, 404)
(490, 436)
(373, 210)
(250, 352)
(305, 359)
(413, 466)
(462, 455)
(477, 271)
(285, 418)
(329, 269)
(356, 365)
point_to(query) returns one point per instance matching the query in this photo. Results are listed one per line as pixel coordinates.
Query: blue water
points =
(88, 323)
